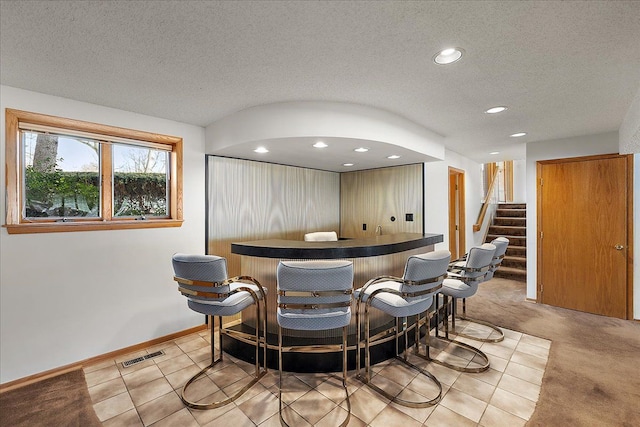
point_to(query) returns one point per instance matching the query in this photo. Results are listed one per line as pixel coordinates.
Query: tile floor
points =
(147, 393)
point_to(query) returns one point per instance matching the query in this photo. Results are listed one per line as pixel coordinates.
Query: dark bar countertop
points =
(347, 248)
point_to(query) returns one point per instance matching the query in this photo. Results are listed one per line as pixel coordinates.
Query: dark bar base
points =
(308, 362)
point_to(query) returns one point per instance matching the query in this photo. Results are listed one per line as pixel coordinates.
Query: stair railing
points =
(488, 206)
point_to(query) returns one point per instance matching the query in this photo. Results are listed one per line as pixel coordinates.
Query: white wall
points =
(519, 181)
(629, 138)
(66, 297)
(629, 142)
(436, 209)
(587, 145)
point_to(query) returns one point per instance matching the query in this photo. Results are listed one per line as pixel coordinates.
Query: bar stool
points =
(501, 244)
(314, 296)
(463, 282)
(203, 280)
(411, 295)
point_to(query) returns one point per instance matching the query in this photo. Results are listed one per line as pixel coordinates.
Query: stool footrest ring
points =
(479, 322)
(217, 404)
(473, 370)
(407, 403)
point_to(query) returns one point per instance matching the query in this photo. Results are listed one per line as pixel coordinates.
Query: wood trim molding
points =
(106, 170)
(580, 159)
(96, 359)
(82, 126)
(463, 212)
(175, 183)
(11, 167)
(56, 227)
(462, 215)
(539, 296)
(630, 225)
(485, 203)
(15, 224)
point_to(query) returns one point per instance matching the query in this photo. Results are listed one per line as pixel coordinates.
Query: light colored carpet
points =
(62, 400)
(593, 372)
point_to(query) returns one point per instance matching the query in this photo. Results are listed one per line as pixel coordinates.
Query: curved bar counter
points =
(341, 249)
(371, 257)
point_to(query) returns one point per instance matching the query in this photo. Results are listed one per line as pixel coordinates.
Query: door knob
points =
(619, 247)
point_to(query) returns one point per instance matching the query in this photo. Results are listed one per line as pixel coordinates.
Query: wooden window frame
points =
(16, 224)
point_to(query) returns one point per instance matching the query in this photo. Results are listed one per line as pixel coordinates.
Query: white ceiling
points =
(563, 68)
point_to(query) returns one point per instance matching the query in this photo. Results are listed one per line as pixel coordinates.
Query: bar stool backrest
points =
(425, 272)
(317, 285)
(478, 263)
(501, 244)
(202, 268)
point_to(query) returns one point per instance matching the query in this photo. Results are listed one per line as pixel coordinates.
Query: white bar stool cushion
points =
(321, 236)
(458, 289)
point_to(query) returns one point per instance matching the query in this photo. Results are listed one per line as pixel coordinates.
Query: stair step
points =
(521, 213)
(515, 262)
(513, 240)
(510, 220)
(516, 251)
(512, 206)
(511, 273)
(508, 230)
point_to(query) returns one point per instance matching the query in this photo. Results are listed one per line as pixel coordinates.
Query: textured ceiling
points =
(563, 68)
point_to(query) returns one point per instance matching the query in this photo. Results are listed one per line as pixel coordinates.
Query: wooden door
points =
(457, 229)
(583, 237)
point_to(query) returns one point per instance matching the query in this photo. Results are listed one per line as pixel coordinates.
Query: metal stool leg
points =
(477, 352)
(402, 358)
(258, 374)
(343, 347)
(500, 332)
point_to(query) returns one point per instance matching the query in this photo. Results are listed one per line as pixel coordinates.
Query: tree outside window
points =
(61, 176)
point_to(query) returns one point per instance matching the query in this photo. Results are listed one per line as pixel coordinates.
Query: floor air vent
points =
(132, 362)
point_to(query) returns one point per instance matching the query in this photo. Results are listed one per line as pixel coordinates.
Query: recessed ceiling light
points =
(494, 152)
(448, 56)
(261, 150)
(320, 144)
(347, 164)
(361, 150)
(495, 110)
(518, 135)
(393, 156)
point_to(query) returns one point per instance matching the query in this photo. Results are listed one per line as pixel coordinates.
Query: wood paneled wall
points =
(248, 200)
(373, 196)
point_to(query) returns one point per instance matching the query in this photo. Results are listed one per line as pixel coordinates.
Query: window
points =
(69, 175)
(139, 181)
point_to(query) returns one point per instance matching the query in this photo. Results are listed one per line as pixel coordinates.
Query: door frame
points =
(629, 242)
(457, 212)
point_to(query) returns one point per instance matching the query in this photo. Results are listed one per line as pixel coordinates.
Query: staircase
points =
(511, 222)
